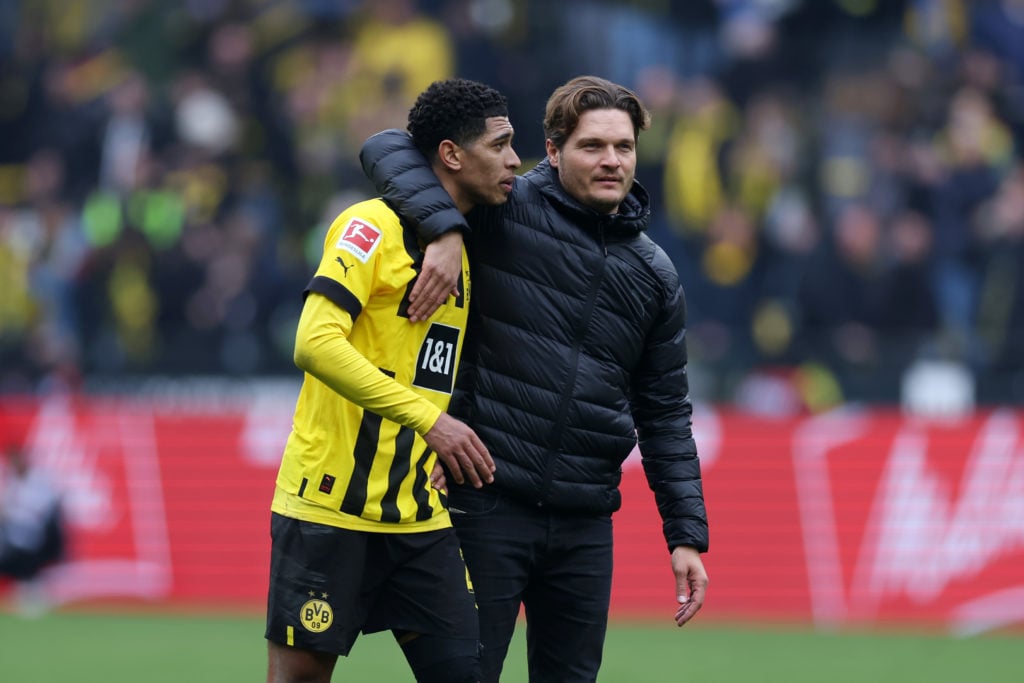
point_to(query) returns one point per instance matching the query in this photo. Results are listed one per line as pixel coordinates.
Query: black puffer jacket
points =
(576, 344)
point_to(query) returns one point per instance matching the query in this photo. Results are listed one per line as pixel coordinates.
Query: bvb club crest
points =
(315, 614)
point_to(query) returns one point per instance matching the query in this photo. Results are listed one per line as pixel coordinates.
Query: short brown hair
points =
(583, 93)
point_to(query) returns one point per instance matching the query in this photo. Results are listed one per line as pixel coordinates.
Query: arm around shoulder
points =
(403, 177)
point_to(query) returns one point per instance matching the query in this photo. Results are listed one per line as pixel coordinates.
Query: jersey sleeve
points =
(349, 265)
(323, 350)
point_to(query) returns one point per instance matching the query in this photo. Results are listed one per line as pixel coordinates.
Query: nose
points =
(609, 157)
(514, 161)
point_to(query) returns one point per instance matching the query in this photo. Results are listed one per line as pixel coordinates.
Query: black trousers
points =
(557, 565)
(24, 564)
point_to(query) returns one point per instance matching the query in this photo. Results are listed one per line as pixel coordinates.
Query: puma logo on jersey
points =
(343, 265)
(360, 239)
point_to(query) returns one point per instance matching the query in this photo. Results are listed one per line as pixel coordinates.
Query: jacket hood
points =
(632, 218)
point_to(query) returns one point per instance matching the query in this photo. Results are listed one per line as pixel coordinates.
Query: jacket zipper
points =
(563, 410)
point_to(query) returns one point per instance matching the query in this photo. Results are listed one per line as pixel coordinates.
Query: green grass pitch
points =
(158, 647)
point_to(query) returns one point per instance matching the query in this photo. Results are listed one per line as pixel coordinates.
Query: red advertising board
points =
(854, 517)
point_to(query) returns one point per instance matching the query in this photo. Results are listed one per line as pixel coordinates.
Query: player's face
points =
(597, 163)
(489, 164)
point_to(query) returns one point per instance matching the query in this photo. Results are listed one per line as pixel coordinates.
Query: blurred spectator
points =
(396, 40)
(841, 298)
(1000, 229)
(127, 137)
(694, 186)
(909, 313)
(975, 149)
(998, 26)
(32, 531)
(620, 40)
(397, 51)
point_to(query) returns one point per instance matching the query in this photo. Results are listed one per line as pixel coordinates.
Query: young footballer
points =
(361, 540)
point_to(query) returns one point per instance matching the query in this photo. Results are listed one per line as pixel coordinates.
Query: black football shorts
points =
(328, 584)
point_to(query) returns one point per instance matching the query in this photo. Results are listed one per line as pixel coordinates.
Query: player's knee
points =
(443, 660)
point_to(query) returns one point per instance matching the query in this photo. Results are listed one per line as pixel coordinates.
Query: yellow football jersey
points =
(374, 383)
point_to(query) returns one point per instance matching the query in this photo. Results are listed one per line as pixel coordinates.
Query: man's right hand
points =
(461, 450)
(439, 277)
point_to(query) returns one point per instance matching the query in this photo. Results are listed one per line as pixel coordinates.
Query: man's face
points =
(597, 163)
(489, 164)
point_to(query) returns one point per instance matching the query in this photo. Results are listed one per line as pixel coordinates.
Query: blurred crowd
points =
(840, 182)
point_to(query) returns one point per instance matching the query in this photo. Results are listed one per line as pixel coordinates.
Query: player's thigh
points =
(428, 591)
(320, 588)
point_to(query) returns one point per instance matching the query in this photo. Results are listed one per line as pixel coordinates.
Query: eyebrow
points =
(505, 135)
(592, 139)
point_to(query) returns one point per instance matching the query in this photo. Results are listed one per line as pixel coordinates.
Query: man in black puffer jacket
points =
(576, 350)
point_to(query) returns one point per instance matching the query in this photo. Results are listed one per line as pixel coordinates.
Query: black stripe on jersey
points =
(460, 300)
(412, 248)
(423, 508)
(389, 511)
(302, 487)
(336, 292)
(364, 452)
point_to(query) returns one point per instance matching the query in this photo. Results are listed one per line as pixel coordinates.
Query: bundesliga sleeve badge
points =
(360, 239)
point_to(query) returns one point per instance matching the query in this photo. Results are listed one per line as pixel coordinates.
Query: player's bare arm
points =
(439, 277)
(461, 450)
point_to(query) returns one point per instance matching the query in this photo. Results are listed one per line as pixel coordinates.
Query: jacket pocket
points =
(466, 500)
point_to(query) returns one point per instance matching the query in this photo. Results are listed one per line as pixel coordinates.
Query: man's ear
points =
(450, 155)
(552, 153)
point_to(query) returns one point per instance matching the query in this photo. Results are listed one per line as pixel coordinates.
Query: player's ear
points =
(553, 152)
(450, 155)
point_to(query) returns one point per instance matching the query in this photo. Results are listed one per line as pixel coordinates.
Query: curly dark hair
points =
(455, 109)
